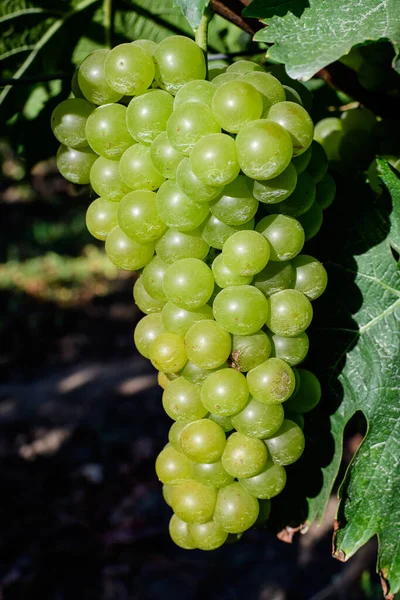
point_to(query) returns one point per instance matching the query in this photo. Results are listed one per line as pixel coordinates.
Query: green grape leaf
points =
(193, 10)
(307, 35)
(358, 325)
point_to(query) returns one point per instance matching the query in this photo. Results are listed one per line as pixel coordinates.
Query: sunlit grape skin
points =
(203, 441)
(126, 253)
(214, 160)
(180, 535)
(272, 381)
(106, 131)
(244, 456)
(153, 275)
(246, 252)
(106, 181)
(216, 232)
(225, 392)
(189, 123)
(287, 444)
(68, 122)
(236, 510)
(236, 204)
(138, 216)
(194, 502)
(292, 350)
(264, 149)
(296, 120)
(137, 170)
(101, 217)
(145, 302)
(178, 60)
(177, 210)
(195, 91)
(192, 186)
(290, 313)
(248, 351)
(146, 331)
(270, 88)
(241, 310)
(174, 245)
(279, 188)
(207, 344)
(147, 115)
(258, 420)
(178, 320)
(74, 165)
(164, 156)
(181, 401)
(208, 536)
(92, 80)
(167, 353)
(267, 484)
(172, 466)
(284, 234)
(235, 103)
(224, 276)
(211, 474)
(188, 283)
(310, 276)
(129, 69)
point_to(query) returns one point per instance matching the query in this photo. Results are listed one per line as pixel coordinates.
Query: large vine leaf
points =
(307, 35)
(193, 10)
(359, 331)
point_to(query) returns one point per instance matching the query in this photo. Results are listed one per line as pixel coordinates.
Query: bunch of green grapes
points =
(209, 189)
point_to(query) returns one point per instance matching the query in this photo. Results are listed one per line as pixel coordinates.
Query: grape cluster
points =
(210, 188)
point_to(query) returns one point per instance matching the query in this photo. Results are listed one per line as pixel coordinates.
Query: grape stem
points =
(108, 22)
(201, 33)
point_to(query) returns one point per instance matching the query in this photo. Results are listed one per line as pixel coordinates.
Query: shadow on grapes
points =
(348, 231)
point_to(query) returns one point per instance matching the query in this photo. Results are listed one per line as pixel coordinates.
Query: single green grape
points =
(287, 444)
(296, 120)
(214, 160)
(358, 118)
(129, 69)
(329, 133)
(246, 252)
(179, 532)
(267, 484)
(192, 186)
(318, 165)
(301, 162)
(106, 131)
(258, 420)
(207, 344)
(189, 123)
(198, 90)
(194, 502)
(181, 401)
(240, 309)
(264, 149)
(138, 216)
(101, 217)
(216, 232)
(292, 350)
(308, 393)
(222, 78)
(153, 276)
(208, 536)
(290, 313)
(275, 277)
(236, 205)
(147, 115)
(146, 331)
(299, 201)
(175, 245)
(174, 435)
(177, 210)
(203, 441)
(127, 253)
(312, 221)
(137, 170)
(248, 351)
(224, 276)
(172, 466)
(106, 181)
(68, 121)
(271, 382)
(164, 156)
(74, 165)
(244, 456)
(225, 392)
(236, 509)
(268, 86)
(326, 190)
(244, 66)
(236, 103)
(278, 188)
(147, 45)
(211, 474)
(178, 320)
(284, 234)
(178, 60)
(167, 352)
(145, 302)
(92, 80)
(198, 375)
(188, 283)
(310, 276)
